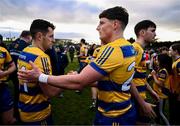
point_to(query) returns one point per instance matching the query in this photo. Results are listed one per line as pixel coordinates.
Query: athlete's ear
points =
(116, 24)
(142, 32)
(39, 36)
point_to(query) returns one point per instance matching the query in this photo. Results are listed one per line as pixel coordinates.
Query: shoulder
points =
(120, 46)
(32, 53)
(137, 47)
(34, 50)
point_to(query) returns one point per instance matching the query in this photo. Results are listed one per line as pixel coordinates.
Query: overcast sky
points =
(76, 19)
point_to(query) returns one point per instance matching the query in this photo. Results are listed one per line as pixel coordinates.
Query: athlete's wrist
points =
(43, 78)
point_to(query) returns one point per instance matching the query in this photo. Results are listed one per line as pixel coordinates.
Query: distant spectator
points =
(83, 54)
(71, 52)
(51, 52)
(19, 44)
(77, 47)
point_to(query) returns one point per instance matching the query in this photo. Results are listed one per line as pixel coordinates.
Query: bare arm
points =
(11, 68)
(49, 90)
(146, 107)
(87, 76)
(152, 92)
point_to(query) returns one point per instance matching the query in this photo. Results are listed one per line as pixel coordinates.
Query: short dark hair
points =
(145, 24)
(40, 25)
(116, 13)
(83, 41)
(176, 47)
(164, 48)
(25, 33)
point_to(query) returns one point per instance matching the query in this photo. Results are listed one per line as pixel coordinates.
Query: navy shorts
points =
(129, 118)
(6, 100)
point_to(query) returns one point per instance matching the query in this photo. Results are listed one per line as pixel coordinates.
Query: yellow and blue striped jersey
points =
(162, 91)
(33, 104)
(5, 59)
(116, 61)
(140, 70)
(176, 76)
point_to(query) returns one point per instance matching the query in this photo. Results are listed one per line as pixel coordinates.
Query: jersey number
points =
(126, 84)
(25, 84)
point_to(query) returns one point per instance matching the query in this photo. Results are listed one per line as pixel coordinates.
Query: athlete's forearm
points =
(136, 94)
(66, 82)
(148, 87)
(49, 90)
(11, 68)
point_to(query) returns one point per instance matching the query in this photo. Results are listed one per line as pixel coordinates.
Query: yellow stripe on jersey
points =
(5, 59)
(140, 70)
(114, 113)
(108, 96)
(34, 116)
(116, 62)
(32, 100)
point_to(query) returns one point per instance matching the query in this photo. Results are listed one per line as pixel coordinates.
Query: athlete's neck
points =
(36, 44)
(116, 36)
(141, 42)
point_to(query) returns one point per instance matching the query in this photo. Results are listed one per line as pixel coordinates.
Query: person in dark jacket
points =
(62, 62)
